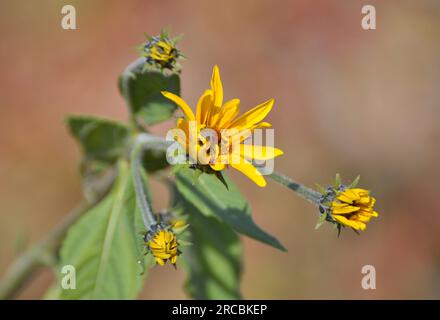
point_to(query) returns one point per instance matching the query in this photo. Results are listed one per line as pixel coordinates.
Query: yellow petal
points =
(363, 218)
(213, 116)
(181, 103)
(360, 192)
(160, 262)
(217, 87)
(253, 116)
(156, 55)
(365, 211)
(349, 223)
(165, 46)
(203, 107)
(155, 246)
(356, 225)
(245, 133)
(342, 220)
(365, 200)
(344, 198)
(183, 125)
(259, 152)
(261, 125)
(168, 237)
(227, 113)
(343, 208)
(162, 255)
(348, 196)
(250, 171)
(163, 236)
(217, 166)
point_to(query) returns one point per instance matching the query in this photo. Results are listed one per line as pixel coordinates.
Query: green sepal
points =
(338, 181)
(321, 220)
(355, 182)
(321, 189)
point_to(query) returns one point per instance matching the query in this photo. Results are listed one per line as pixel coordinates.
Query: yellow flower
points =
(163, 52)
(353, 207)
(163, 246)
(222, 118)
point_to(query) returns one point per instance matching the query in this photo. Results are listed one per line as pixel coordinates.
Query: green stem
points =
(303, 191)
(144, 142)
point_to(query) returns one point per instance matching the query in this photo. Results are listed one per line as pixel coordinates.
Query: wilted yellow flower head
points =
(163, 246)
(231, 130)
(353, 208)
(161, 51)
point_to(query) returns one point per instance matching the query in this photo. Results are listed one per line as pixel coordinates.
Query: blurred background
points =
(347, 100)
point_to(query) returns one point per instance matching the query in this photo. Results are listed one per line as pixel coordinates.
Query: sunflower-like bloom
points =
(231, 130)
(161, 51)
(163, 246)
(353, 207)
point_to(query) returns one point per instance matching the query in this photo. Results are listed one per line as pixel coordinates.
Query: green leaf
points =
(105, 246)
(212, 199)
(53, 292)
(102, 142)
(142, 91)
(177, 167)
(97, 177)
(196, 175)
(100, 139)
(214, 260)
(154, 160)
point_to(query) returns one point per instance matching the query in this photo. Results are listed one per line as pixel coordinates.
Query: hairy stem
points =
(144, 142)
(303, 191)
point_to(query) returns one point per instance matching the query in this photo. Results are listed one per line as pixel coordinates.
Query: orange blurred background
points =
(347, 100)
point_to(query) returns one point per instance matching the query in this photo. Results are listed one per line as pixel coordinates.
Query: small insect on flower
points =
(162, 243)
(348, 206)
(161, 51)
(230, 130)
